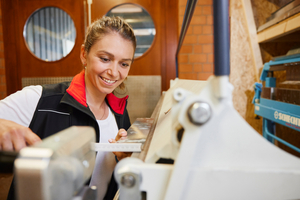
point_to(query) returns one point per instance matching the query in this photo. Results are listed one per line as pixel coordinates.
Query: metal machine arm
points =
(58, 167)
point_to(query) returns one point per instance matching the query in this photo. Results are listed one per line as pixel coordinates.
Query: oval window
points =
(50, 33)
(140, 21)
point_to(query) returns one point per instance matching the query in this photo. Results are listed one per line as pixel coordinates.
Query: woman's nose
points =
(113, 69)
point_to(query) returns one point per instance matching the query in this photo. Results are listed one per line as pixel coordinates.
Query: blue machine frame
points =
(275, 111)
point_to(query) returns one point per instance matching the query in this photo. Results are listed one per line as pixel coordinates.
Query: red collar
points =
(77, 91)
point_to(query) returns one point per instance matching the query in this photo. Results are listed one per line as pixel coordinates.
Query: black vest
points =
(57, 110)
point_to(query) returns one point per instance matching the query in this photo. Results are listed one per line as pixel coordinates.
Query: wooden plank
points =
(154, 115)
(255, 49)
(293, 24)
(281, 14)
(285, 27)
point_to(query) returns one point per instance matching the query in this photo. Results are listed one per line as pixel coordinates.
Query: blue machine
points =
(274, 111)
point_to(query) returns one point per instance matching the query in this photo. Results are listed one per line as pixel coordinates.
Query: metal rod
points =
(189, 10)
(282, 141)
(221, 38)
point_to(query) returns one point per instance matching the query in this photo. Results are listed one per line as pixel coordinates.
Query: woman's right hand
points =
(13, 136)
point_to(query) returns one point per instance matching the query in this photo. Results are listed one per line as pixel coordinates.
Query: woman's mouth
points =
(107, 80)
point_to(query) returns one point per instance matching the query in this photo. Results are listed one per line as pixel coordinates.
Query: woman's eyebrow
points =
(101, 51)
(128, 59)
(112, 55)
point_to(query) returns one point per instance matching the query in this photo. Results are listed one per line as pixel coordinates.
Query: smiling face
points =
(107, 63)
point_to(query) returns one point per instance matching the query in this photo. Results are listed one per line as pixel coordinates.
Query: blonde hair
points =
(105, 25)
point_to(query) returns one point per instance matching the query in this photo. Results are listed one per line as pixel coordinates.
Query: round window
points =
(50, 33)
(140, 21)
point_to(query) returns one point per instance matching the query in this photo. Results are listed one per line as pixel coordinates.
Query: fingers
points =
(14, 137)
(112, 141)
(122, 134)
(121, 155)
(24, 137)
(17, 139)
(6, 142)
(31, 138)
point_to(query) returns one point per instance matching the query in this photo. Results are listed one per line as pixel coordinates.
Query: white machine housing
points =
(56, 168)
(221, 158)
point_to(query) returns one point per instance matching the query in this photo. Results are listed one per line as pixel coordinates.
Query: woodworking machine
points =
(279, 105)
(216, 153)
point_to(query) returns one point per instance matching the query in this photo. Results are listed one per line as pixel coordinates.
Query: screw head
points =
(179, 94)
(199, 113)
(86, 163)
(128, 180)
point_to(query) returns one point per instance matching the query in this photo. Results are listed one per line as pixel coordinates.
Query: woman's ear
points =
(83, 55)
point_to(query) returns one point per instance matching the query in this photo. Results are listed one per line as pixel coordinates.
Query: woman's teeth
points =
(107, 80)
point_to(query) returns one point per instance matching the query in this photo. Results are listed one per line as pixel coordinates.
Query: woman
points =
(40, 111)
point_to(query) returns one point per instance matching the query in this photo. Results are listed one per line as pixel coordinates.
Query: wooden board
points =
(255, 50)
(285, 27)
(154, 115)
(163, 127)
(245, 60)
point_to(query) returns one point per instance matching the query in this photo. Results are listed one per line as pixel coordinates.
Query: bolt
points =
(86, 163)
(179, 94)
(128, 180)
(199, 113)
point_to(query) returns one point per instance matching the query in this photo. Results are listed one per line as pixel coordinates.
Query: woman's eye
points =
(104, 59)
(125, 65)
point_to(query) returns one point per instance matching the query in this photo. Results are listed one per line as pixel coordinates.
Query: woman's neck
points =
(93, 96)
(96, 101)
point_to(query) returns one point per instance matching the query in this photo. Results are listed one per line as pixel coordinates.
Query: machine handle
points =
(221, 38)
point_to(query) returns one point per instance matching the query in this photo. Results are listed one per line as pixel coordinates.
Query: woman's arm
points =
(19, 107)
(16, 112)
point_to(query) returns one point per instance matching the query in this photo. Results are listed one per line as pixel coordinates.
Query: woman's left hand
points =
(122, 134)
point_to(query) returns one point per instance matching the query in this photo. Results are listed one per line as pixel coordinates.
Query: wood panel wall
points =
(21, 62)
(2, 65)
(5, 179)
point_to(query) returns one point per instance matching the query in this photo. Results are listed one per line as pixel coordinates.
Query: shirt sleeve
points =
(20, 106)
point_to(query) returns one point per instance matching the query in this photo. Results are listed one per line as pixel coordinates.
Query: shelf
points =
(283, 28)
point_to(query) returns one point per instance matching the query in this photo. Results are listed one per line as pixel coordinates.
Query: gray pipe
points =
(221, 38)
